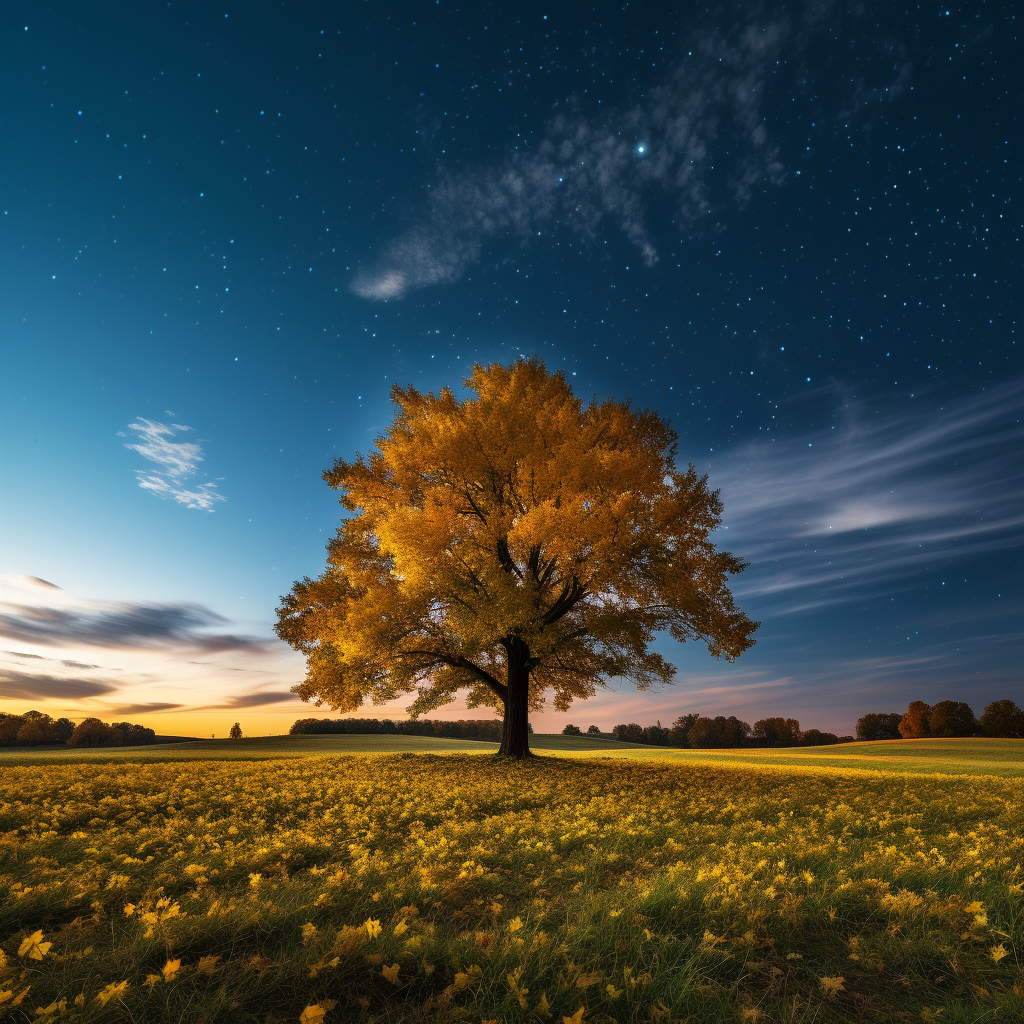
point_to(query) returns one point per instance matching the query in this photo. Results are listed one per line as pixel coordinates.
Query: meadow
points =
(624, 885)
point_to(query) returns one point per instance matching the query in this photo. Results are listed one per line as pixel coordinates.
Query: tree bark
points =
(515, 730)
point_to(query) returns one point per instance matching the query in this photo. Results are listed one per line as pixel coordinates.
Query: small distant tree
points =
(656, 735)
(629, 733)
(37, 728)
(679, 734)
(777, 732)
(10, 726)
(879, 727)
(718, 732)
(952, 718)
(512, 545)
(572, 730)
(62, 730)
(236, 732)
(914, 724)
(817, 738)
(593, 731)
(1002, 718)
(91, 732)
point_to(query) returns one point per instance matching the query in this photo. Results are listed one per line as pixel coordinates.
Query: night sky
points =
(227, 230)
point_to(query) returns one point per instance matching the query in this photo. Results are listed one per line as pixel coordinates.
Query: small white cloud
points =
(178, 463)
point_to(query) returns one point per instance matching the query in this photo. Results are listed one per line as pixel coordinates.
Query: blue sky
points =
(235, 229)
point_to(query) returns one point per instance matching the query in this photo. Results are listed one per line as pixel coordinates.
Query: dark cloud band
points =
(124, 626)
(16, 685)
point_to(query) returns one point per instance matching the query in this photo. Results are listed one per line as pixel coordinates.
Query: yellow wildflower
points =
(372, 927)
(170, 969)
(115, 990)
(515, 924)
(832, 986)
(576, 1018)
(129, 909)
(998, 952)
(401, 928)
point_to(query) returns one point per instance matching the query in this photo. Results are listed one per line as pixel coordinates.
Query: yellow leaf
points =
(586, 980)
(313, 1014)
(170, 969)
(461, 981)
(998, 952)
(115, 990)
(308, 931)
(515, 924)
(129, 909)
(401, 928)
(612, 991)
(207, 964)
(576, 1018)
(391, 973)
(33, 946)
(543, 1007)
(152, 980)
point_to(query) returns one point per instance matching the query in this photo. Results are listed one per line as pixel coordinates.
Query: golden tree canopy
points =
(513, 540)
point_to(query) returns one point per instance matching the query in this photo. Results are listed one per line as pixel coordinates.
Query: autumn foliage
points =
(514, 546)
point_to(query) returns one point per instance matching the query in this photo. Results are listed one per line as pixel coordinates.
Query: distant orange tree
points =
(511, 544)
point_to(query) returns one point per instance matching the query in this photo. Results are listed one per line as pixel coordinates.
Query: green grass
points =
(972, 756)
(261, 748)
(1004, 758)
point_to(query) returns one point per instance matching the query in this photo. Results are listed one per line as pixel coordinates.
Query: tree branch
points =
(500, 689)
(571, 594)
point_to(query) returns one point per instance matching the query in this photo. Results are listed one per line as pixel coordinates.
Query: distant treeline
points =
(699, 732)
(35, 728)
(464, 729)
(1002, 718)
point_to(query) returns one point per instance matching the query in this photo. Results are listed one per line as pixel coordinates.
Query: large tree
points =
(512, 545)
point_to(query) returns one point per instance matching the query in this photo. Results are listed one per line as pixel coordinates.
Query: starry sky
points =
(793, 230)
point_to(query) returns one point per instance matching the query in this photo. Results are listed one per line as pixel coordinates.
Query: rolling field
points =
(946, 757)
(595, 885)
(271, 747)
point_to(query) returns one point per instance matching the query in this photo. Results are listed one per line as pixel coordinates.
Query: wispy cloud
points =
(178, 463)
(16, 685)
(260, 698)
(700, 140)
(825, 518)
(56, 619)
(144, 708)
(157, 658)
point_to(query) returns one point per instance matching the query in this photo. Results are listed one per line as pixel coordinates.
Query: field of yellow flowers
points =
(457, 888)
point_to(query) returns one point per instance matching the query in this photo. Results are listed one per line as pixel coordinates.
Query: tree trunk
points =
(515, 730)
